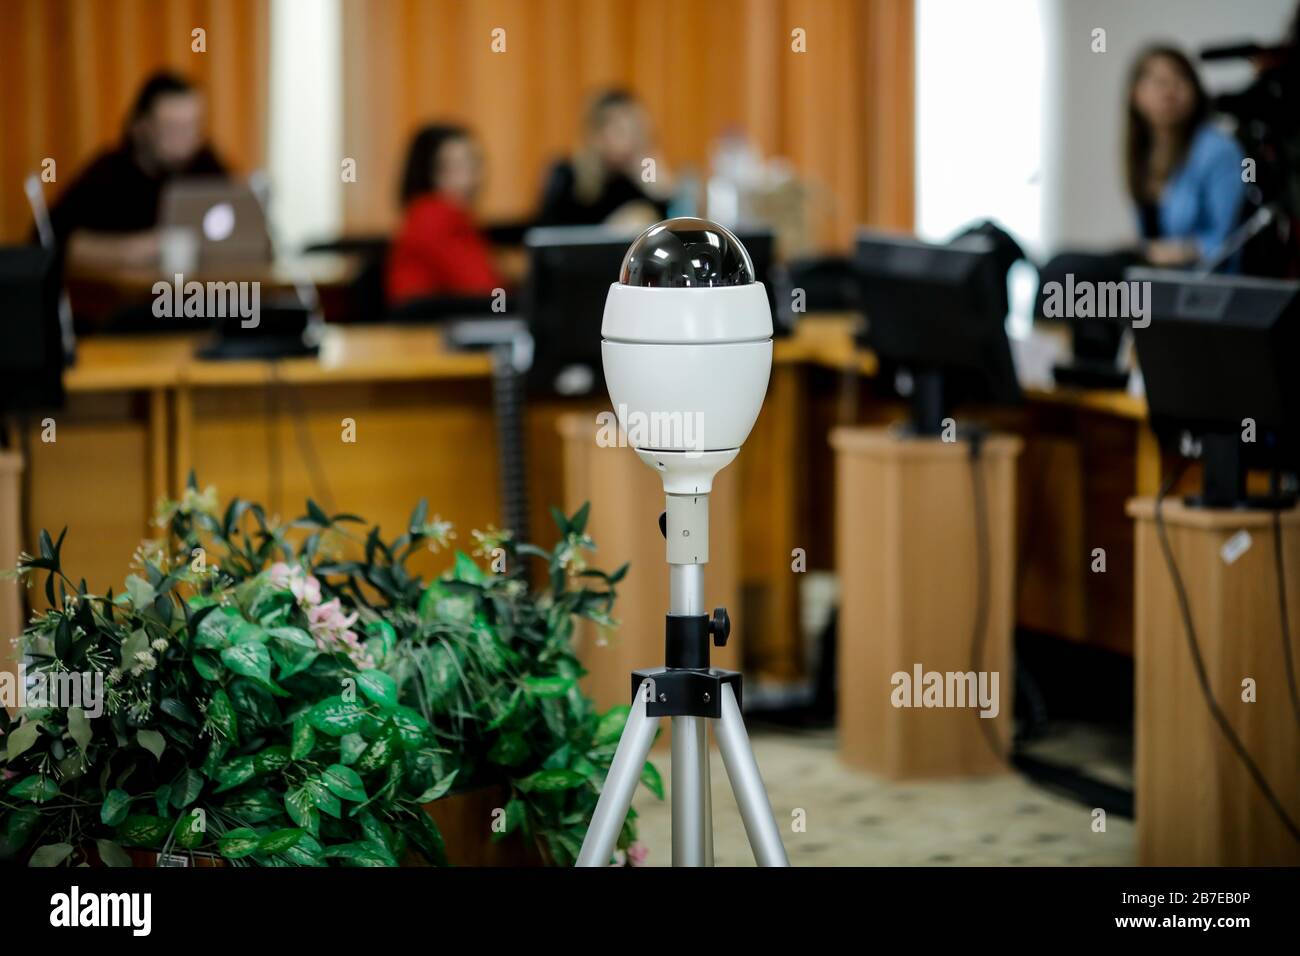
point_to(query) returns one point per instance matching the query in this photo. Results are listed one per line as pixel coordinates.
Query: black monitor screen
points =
(1218, 356)
(31, 362)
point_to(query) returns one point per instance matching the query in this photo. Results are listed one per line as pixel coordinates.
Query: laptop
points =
(225, 215)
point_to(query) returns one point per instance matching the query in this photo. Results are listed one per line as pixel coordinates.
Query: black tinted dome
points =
(686, 253)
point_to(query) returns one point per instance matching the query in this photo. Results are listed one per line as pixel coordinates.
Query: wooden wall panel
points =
(841, 112)
(70, 68)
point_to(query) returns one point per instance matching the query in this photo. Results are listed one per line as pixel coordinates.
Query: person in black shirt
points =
(603, 181)
(108, 215)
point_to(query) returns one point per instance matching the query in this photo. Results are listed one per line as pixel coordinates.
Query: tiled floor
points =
(855, 819)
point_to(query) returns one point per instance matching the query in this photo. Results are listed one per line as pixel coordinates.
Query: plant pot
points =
(465, 821)
(152, 858)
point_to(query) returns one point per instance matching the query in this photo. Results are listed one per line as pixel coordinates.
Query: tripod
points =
(692, 693)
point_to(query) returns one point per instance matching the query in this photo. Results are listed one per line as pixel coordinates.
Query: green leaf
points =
(277, 841)
(221, 716)
(140, 591)
(653, 782)
(254, 805)
(304, 738)
(186, 788)
(114, 808)
(189, 830)
(515, 814)
(245, 632)
(238, 843)
(113, 855)
(151, 741)
(143, 830)
(336, 717)
(79, 727)
(364, 853)
(466, 570)
(412, 728)
(207, 667)
(378, 687)
(380, 752)
(610, 727)
(232, 774)
(36, 788)
(321, 798)
(509, 749)
(424, 834)
(317, 514)
(548, 687)
(293, 636)
(52, 854)
(178, 710)
(272, 759)
(578, 523)
(549, 781)
(249, 659)
(438, 790)
(344, 782)
(300, 805)
(22, 739)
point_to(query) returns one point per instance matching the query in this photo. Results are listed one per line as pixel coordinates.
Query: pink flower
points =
(305, 587)
(637, 853)
(331, 628)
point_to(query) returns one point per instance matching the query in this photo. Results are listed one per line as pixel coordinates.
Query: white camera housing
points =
(687, 350)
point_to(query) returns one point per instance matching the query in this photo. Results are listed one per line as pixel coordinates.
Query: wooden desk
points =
(142, 411)
(97, 293)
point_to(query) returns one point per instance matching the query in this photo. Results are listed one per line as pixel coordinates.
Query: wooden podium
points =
(627, 498)
(908, 563)
(1197, 804)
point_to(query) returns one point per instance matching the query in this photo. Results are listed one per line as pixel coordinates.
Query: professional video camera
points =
(1268, 127)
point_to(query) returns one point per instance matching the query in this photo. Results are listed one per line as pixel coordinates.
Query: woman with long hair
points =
(603, 181)
(438, 249)
(1184, 174)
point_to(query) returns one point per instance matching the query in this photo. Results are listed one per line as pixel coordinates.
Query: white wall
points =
(1084, 203)
(306, 120)
(979, 68)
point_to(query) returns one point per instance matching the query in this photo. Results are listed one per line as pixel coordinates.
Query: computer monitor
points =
(569, 274)
(937, 313)
(1096, 342)
(31, 362)
(1218, 359)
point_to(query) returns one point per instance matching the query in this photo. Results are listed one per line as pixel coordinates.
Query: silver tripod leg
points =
(708, 792)
(747, 784)
(690, 793)
(624, 774)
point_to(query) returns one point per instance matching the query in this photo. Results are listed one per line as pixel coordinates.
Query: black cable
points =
(1287, 654)
(272, 444)
(316, 475)
(982, 585)
(1186, 609)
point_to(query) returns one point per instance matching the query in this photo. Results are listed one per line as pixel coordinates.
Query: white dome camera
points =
(687, 350)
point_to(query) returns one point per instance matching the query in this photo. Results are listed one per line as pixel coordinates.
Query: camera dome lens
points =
(686, 253)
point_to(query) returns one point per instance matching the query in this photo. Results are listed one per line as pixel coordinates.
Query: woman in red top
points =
(439, 250)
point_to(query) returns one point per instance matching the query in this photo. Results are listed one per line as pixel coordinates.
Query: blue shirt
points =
(1202, 199)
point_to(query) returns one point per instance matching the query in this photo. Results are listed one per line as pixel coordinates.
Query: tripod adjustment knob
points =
(720, 626)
